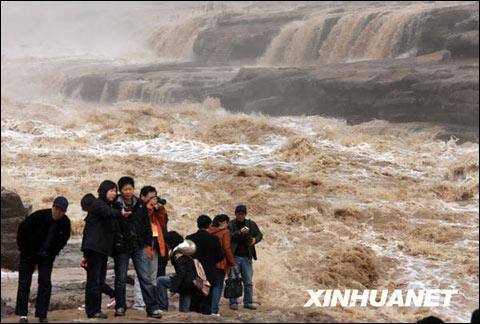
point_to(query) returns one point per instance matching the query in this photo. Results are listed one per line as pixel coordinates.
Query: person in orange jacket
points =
(220, 229)
(157, 251)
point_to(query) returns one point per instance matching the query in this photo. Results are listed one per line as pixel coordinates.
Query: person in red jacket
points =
(220, 229)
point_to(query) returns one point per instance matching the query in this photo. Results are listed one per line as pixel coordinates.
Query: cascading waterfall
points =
(337, 38)
(376, 35)
(177, 42)
(275, 54)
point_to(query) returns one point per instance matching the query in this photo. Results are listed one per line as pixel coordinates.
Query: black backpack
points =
(233, 286)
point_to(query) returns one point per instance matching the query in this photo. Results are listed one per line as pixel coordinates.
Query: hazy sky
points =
(103, 28)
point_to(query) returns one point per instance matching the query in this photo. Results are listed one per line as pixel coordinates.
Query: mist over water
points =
(369, 206)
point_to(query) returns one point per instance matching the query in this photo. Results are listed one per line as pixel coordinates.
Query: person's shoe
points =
(99, 315)
(155, 314)
(43, 320)
(251, 306)
(111, 303)
(215, 314)
(234, 307)
(23, 319)
(120, 311)
(81, 308)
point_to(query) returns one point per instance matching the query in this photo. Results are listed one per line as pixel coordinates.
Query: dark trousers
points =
(25, 273)
(162, 265)
(107, 290)
(96, 274)
(162, 260)
(201, 304)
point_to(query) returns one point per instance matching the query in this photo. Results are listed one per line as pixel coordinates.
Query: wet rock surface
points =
(397, 91)
(430, 88)
(13, 213)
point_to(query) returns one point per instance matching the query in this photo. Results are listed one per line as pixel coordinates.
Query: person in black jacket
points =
(182, 281)
(40, 238)
(133, 236)
(86, 203)
(245, 235)
(97, 244)
(209, 252)
(475, 317)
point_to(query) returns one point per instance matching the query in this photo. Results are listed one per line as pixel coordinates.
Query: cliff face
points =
(239, 39)
(425, 89)
(400, 91)
(454, 29)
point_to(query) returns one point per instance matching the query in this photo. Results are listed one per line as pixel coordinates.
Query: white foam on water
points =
(424, 273)
(187, 151)
(195, 152)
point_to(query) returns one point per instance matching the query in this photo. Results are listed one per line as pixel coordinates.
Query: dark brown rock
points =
(243, 38)
(410, 90)
(13, 212)
(432, 88)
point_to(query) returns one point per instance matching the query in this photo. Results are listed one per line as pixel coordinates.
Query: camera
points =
(161, 201)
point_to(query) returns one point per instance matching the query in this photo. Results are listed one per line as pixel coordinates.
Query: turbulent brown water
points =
(375, 205)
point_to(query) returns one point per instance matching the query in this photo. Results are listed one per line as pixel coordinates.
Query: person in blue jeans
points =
(220, 229)
(182, 281)
(132, 236)
(245, 235)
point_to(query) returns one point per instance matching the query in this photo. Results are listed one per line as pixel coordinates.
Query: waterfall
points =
(176, 42)
(373, 33)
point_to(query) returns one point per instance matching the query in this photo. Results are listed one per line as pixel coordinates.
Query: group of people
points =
(123, 226)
